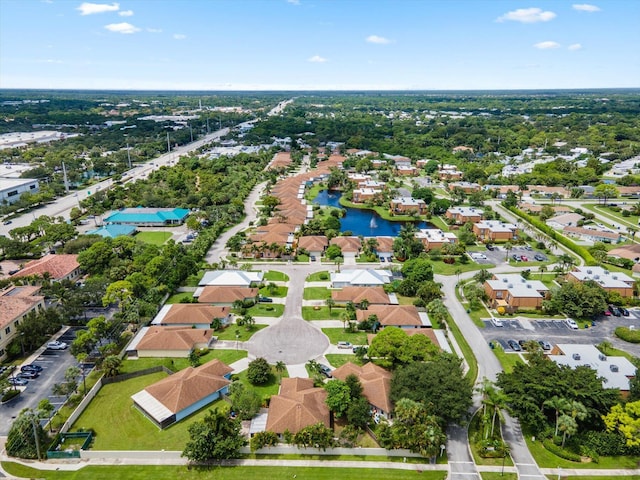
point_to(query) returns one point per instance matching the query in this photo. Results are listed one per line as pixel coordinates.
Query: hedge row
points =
(551, 233)
(628, 335)
(560, 452)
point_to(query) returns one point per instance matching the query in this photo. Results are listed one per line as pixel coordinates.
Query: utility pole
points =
(191, 132)
(168, 144)
(128, 155)
(64, 175)
(35, 435)
(207, 126)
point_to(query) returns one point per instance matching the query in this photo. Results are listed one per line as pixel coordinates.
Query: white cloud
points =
(548, 45)
(154, 30)
(126, 13)
(92, 8)
(574, 47)
(377, 39)
(585, 7)
(179, 36)
(123, 27)
(527, 15)
(294, 2)
(317, 59)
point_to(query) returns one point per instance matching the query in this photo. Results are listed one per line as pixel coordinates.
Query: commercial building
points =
(16, 302)
(610, 281)
(512, 292)
(12, 188)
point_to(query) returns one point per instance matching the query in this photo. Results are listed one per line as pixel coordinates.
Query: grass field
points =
(155, 238)
(179, 297)
(499, 476)
(266, 310)
(120, 426)
(338, 359)
(322, 313)
(176, 364)
(229, 333)
(274, 276)
(136, 472)
(318, 277)
(278, 292)
(316, 293)
(339, 335)
(266, 390)
(439, 267)
(507, 360)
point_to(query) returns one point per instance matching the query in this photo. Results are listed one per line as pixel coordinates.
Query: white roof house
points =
(565, 220)
(230, 278)
(435, 235)
(360, 278)
(603, 277)
(615, 371)
(465, 211)
(496, 226)
(518, 286)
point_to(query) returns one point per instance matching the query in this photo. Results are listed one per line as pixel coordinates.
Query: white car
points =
(497, 322)
(56, 345)
(345, 345)
(478, 256)
(571, 323)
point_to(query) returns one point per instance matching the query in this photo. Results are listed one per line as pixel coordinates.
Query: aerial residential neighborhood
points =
(379, 251)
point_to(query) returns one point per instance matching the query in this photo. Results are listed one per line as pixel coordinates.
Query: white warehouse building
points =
(12, 188)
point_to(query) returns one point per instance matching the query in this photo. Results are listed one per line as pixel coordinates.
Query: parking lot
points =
(54, 363)
(556, 331)
(499, 255)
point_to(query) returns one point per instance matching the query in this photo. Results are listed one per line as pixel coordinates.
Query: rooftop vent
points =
(510, 285)
(576, 356)
(529, 285)
(613, 368)
(589, 272)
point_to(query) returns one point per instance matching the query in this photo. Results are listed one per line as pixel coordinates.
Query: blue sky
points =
(319, 44)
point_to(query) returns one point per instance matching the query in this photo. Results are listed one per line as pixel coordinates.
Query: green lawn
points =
(440, 223)
(321, 313)
(630, 221)
(476, 435)
(546, 459)
(274, 276)
(179, 297)
(318, 277)
(266, 310)
(302, 258)
(466, 349)
(266, 390)
(278, 292)
(229, 333)
(120, 426)
(339, 335)
(176, 364)
(193, 280)
(155, 238)
(338, 359)
(316, 293)
(500, 476)
(507, 360)
(439, 267)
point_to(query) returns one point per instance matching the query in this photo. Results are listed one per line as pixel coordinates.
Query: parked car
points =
(524, 258)
(326, 371)
(313, 258)
(265, 299)
(544, 344)
(32, 367)
(497, 322)
(528, 248)
(614, 310)
(20, 382)
(344, 345)
(514, 345)
(490, 247)
(606, 313)
(515, 257)
(8, 222)
(571, 323)
(57, 345)
(539, 257)
(624, 311)
(28, 374)
(478, 256)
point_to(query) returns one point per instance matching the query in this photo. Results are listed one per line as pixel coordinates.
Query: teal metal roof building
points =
(113, 231)
(148, 217)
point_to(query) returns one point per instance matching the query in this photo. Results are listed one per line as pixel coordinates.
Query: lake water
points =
(363, 222)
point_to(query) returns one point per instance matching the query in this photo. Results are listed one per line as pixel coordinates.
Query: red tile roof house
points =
(192, 315)
(314, 244)
(375, 381)
(402, 316)
(385, 246)
(374, 295)
(183, 393)
(168, 341)
(15, 304)
(298, 405)
(225, 295)
(350, 246)
(58, 267)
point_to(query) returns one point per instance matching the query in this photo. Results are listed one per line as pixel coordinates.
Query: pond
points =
(363, 222)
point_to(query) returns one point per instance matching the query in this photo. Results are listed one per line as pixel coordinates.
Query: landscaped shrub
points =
(604, 443)
(9, 394)
(259, 371)
(561, 452)
(628, 335)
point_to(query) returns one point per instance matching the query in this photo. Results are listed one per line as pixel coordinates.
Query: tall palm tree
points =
(542, 269)
(567, 426)
(330, 302)
(558, 404)
(280, 367)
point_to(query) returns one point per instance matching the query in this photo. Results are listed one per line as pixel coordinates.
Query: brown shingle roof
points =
(193, 314)
(630, 252)
(313, 243)
(375, 295)
(375, 381)
(173, 338)
(385, 244)
(58, 266)
(298, 405)
(16, 301)
(347, 244)
(188, 386)
(392, 315)
(213, 294)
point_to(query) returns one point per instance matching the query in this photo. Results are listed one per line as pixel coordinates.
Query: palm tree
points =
(567, 426)
(338, 261)
(248, 321)
(364, 304)
(604, 346)
(345, 317)
(330, 302)
(559, 405)
(542, 269)
(507, 246)
(111, 366)
(280, 368)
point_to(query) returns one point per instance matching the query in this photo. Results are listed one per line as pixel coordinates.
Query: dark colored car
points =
(490, 247)
(514, 345)
(614, 310)
(516, 257)
(539, 257)
(624, 311)
(265, 300)
(28, 374)
(31, 368)
(21, 382)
